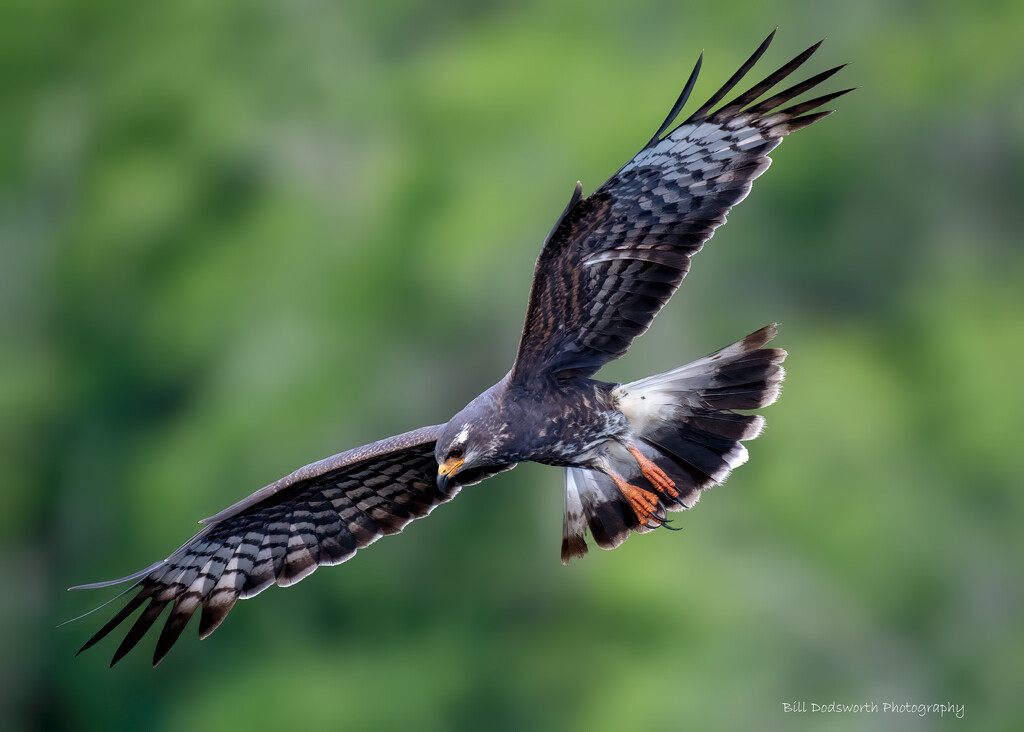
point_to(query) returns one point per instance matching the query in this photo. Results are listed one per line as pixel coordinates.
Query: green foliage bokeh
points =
(237, 237)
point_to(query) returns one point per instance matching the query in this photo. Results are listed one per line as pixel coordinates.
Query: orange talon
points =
(655, 475)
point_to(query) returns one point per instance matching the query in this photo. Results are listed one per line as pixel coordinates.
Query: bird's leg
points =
(655, 475)
(644, 503)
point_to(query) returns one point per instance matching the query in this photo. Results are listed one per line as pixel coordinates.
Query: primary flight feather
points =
(631, 452)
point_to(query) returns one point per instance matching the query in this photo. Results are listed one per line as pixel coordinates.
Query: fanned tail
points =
(684, 421)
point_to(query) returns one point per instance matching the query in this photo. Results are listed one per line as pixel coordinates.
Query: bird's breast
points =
(565, 427)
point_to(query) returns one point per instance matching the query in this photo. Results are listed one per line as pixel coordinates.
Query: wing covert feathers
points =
(616, 257)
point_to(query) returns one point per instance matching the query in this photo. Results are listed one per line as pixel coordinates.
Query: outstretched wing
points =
(320, 514)
(614, 259)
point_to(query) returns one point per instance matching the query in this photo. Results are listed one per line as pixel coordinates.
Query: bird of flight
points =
(631, 452)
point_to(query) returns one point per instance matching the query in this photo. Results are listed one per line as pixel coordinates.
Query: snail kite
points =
(631, 451)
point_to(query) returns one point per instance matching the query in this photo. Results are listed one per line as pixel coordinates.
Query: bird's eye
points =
(454, 454)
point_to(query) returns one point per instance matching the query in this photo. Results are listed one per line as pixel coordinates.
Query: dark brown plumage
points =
(632, 451)
(320, 514)
(615, 258)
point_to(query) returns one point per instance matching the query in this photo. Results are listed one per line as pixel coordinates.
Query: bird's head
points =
(474, 441)
(456, 451)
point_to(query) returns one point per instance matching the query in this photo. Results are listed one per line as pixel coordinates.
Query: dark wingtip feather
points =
(768, 82)
(171, 632)
(115, 621)
(808, 119)
(734, 79)
(680, 102)
(134, 635)
(803, 107)
(794, 91)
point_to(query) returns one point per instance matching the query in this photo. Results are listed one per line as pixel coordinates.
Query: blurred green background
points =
(237, 237)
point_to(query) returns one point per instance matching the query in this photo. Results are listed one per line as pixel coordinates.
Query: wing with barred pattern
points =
(615, 258)
(320, 514)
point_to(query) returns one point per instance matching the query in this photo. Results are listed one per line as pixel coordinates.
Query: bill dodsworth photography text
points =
(889, 707)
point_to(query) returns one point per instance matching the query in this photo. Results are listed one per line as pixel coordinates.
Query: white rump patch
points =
(649, 403)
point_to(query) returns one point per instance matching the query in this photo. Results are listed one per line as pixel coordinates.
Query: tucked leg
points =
(655, 475)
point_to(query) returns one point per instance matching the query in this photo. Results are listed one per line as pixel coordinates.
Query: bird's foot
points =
(655, 475)
(644, 503)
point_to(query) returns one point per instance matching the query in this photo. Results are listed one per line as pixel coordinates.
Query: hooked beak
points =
(445, 471)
